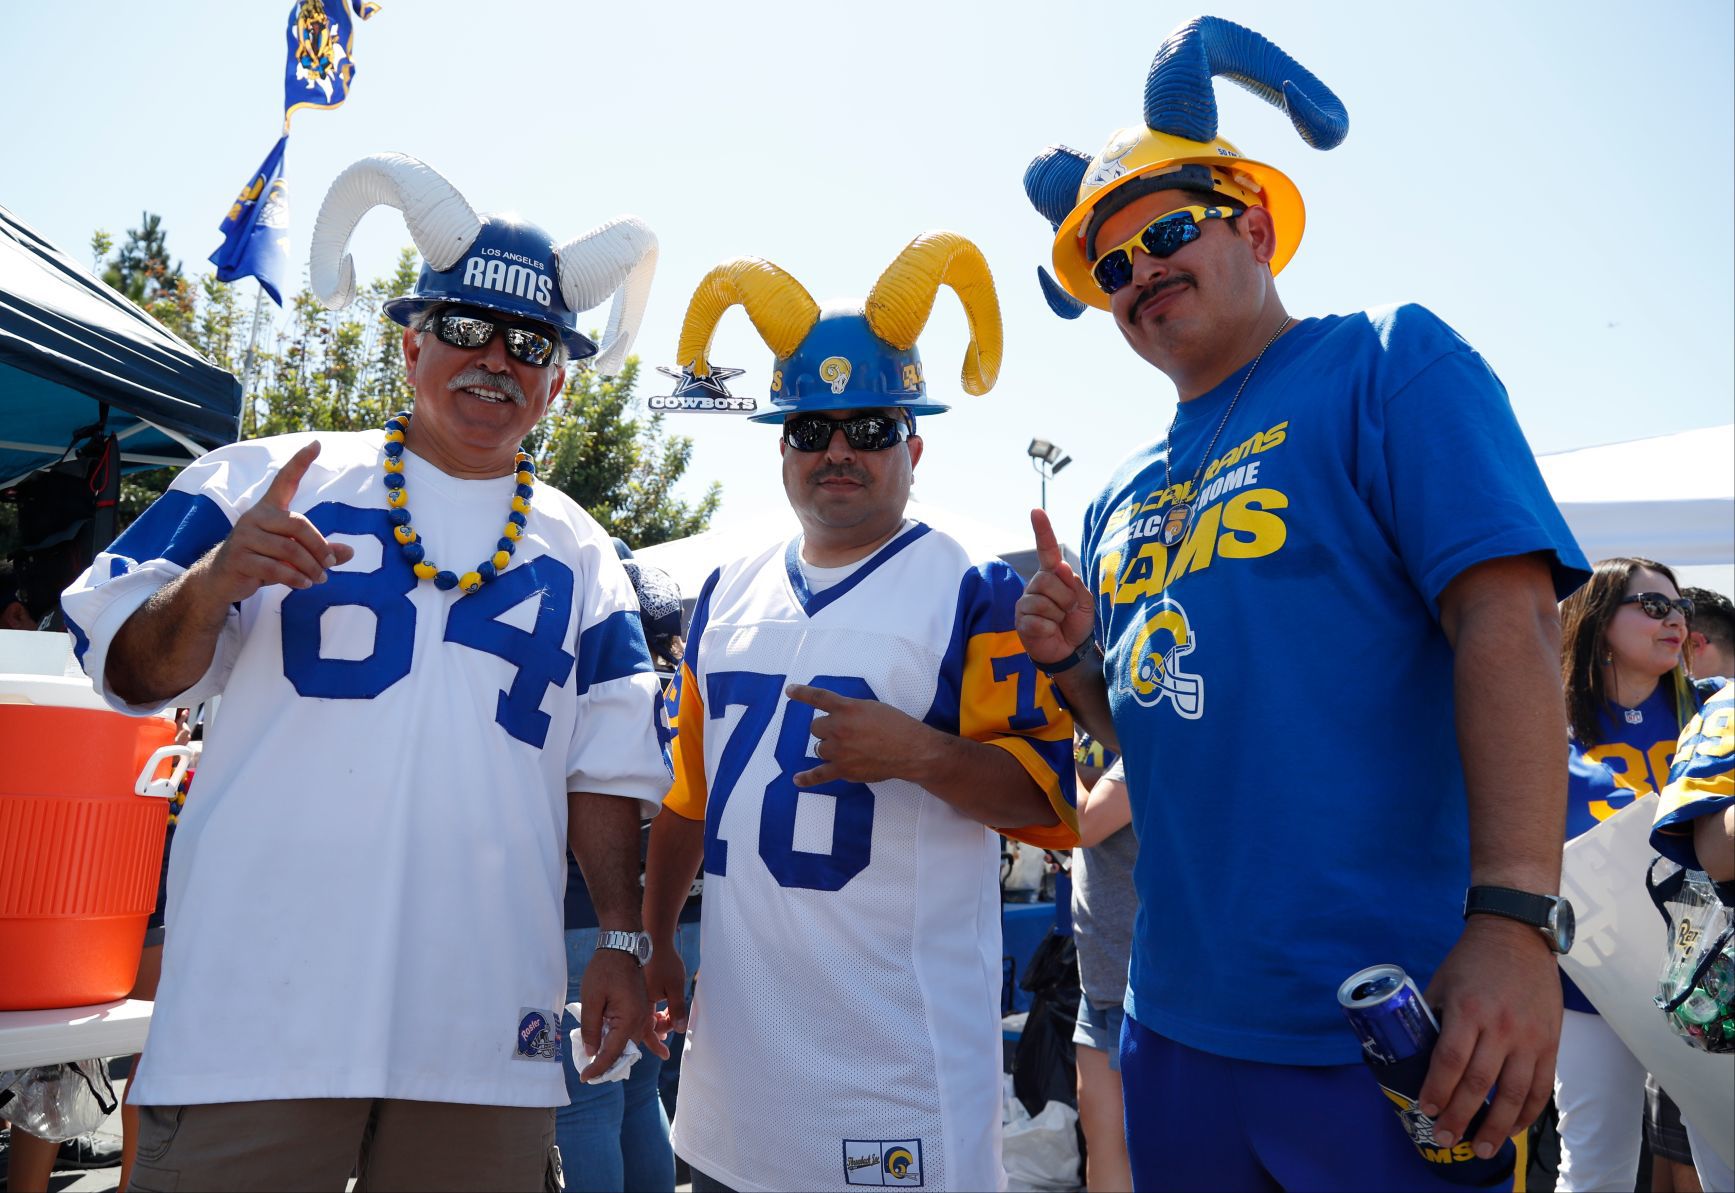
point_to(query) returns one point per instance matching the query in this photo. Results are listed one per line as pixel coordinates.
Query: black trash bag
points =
(1044, 1068)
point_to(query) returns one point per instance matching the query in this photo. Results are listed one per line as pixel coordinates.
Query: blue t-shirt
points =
(1279, 681)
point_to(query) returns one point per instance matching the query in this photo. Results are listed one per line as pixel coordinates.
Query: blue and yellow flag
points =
(321, 45)
(256, 230)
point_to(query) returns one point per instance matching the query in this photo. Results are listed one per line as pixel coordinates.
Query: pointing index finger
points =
(282, 488)
(1048, 556)
(818, 697)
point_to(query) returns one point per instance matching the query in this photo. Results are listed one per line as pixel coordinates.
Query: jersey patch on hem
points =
(894, 1163)
(538, 1035)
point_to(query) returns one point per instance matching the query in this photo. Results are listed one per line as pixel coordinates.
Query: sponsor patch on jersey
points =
(883, 1162)
(538, 1036)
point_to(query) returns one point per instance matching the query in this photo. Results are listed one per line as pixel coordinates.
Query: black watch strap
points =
(1088, 649)
(1548, 914)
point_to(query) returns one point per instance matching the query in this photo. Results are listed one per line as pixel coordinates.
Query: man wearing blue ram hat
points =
(855, 713)
(363, 964)
(1317, 618)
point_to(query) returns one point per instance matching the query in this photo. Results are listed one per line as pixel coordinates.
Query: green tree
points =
(598, 448)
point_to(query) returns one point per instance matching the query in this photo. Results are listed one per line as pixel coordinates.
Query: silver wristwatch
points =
(638, 944)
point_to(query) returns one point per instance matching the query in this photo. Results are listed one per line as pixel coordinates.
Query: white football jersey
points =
(366, 885)
(846, 1026)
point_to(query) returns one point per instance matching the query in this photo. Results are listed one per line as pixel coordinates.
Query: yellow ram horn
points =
(899, 304)
(780, 307)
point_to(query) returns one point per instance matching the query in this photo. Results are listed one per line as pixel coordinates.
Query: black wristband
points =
(1087, 649)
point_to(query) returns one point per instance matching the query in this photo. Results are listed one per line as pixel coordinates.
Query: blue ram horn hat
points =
(1181, 146)
(495, 261)
(845, 355)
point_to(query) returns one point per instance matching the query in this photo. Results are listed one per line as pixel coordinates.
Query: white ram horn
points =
(441, 223)
(617, 258)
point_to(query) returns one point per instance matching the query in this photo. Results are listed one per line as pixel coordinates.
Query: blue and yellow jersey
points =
(876, 905)
(1702, 781)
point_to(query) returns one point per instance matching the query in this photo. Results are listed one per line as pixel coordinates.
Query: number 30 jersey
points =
(365, 888)
(845, 1029)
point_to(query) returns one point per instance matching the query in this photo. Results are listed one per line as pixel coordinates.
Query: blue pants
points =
(1200, 1121)
(613, 1136)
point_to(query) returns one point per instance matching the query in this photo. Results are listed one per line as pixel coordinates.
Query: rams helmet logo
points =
(898, 1161)
(835, 370)
(1153, 664)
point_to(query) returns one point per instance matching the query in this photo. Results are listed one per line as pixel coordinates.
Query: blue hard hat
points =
(843, 365)
(509, 268)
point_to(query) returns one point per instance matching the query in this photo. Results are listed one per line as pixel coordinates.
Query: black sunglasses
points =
(1162, 237)
(464, 329)
(865, 433)
(1657, 606)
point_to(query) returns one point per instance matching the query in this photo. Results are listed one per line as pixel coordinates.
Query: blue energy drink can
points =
(1398, 1033)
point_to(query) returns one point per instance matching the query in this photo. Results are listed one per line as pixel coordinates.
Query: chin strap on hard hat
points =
(898, 306)
(1180, 100)
(441, 223)
(618, 258)
(780, 307)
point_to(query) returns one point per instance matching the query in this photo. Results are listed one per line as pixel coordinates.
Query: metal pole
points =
(247, 363)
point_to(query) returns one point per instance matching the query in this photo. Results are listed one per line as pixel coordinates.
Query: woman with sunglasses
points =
(1627, 697)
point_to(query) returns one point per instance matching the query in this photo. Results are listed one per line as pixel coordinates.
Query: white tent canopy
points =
(1670, 498)
(690, 560)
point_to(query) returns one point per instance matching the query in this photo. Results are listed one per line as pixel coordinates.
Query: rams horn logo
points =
(834, 369)
(1153, 663)
(898, 1161)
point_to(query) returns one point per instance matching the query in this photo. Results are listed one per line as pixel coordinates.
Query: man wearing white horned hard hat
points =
(1317, 618)
(856, 719)
(433, 680)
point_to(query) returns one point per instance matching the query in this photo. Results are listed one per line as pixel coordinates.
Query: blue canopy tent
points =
(90, 387)
(69, 345)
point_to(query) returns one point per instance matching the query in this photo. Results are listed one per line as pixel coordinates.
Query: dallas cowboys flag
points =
(256, 230)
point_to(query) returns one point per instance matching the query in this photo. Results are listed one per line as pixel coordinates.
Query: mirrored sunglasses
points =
(1657, 606)
(464, 329)
(1167, 234)
(865, 433)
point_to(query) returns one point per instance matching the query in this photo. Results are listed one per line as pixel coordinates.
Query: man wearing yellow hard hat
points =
(1317, 618)
(856, 719)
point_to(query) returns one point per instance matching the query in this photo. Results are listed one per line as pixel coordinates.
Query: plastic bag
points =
(58, 1102)
(1040, 1153)
(1696, 991)
(1043, 1065)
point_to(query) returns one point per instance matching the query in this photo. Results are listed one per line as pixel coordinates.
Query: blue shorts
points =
(1200, 1121)
(1100, 1028)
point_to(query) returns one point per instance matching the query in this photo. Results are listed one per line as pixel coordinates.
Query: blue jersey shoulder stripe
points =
(701, 614)
(987, 602)
(613, 648)
(179, 527)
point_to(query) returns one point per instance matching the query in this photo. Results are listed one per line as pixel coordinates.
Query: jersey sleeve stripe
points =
(179, 527)
(613, 648)
(1044, 762)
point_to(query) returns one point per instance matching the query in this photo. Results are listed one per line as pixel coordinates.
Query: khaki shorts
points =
(317, 1143)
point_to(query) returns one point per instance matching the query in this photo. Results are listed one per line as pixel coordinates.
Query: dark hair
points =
(1713, 615)
(1584, 622)
(1130, 193)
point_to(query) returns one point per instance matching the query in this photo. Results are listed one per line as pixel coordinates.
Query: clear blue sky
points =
(1553, 179)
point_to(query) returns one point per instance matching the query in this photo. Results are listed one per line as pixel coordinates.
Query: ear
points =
(412, 353)
(914, 443)
(556, 383)
(1261, 233)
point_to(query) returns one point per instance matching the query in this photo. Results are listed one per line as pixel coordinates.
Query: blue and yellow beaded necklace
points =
(410, 542)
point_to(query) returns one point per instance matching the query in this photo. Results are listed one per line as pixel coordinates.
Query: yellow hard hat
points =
(1178, 143)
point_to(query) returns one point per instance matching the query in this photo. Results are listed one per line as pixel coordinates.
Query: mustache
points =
(837, 471)
(481, 378)
(1173, 279)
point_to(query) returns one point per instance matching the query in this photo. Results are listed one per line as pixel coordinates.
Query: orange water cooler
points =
(84, 807)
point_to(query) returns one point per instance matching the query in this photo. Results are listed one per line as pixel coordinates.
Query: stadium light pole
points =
(1047, 458)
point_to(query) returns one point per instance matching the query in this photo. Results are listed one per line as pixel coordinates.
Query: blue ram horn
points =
(1179, 98)
(1052, 179)
(1059, 301)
